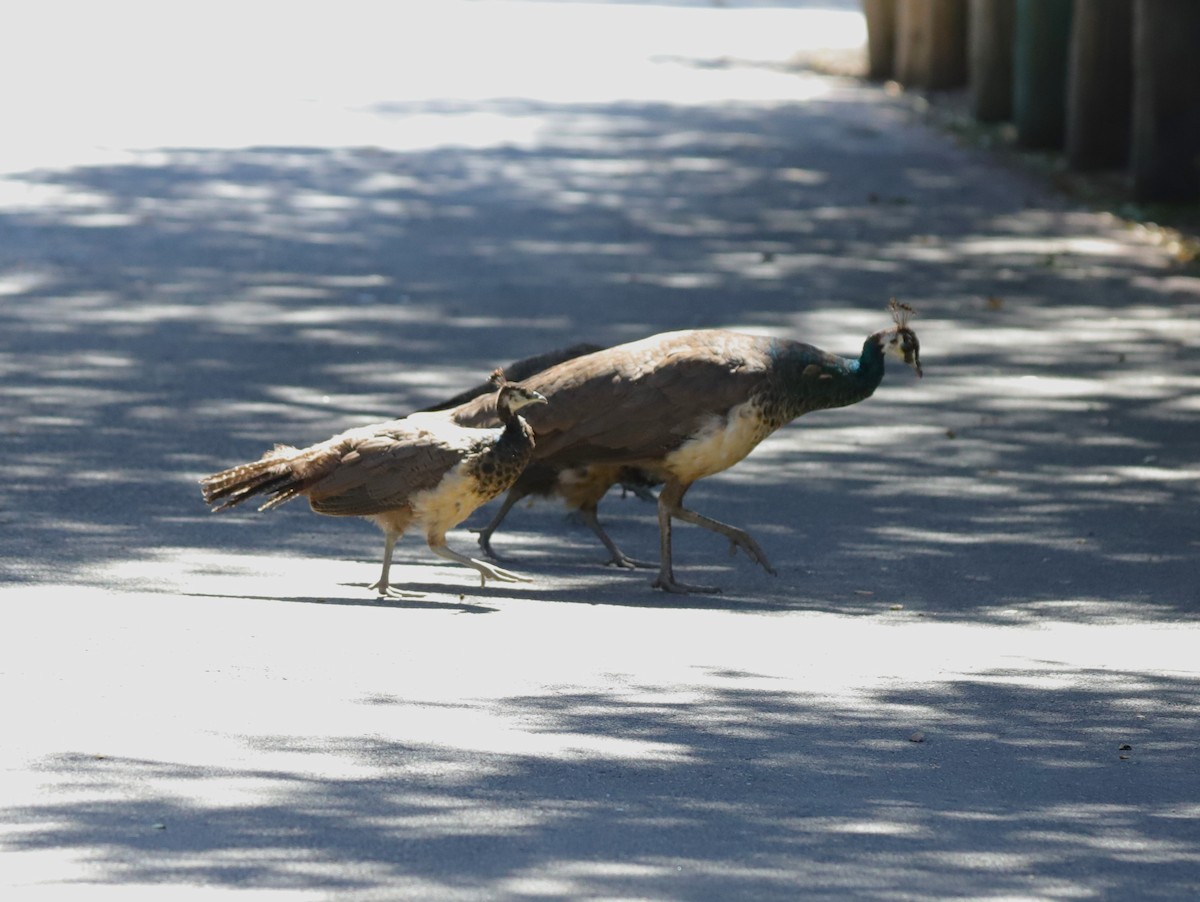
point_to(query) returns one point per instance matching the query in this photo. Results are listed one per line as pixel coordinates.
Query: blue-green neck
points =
(868, 369)
(817, 380)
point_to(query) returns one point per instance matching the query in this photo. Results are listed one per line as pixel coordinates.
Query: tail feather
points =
(275, 475)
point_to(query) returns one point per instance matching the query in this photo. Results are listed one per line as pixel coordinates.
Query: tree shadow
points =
(1017, 786)
(167, 317)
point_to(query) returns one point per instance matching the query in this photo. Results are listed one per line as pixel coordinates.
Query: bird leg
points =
(486, 571)
(668, 503)
(618, 558)
(485, 532)
(385, 590)
(739, 538)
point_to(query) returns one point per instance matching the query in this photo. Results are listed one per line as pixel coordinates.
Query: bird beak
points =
(912, 356)
(538, 398)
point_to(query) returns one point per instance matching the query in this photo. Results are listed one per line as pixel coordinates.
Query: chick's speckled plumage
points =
(424, 470)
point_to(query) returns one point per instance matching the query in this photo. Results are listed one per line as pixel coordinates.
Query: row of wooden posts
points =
(1114, 84)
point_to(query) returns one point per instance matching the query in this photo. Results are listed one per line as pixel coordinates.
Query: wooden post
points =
(990, 25)
(931, 39)
(1040, 72)
(881, 38)
(948, 44)
(1100, 84)
(1165, 152)
(912, 40)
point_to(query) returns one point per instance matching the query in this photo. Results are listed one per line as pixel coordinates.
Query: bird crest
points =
(903, 339)
(901, 312)
(497, 378)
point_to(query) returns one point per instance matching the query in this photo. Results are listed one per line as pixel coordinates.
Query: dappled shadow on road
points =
(166, 318)
(679, 791)
(279, 728)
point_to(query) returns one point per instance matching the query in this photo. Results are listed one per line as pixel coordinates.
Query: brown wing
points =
(381, 468)
(636, 402)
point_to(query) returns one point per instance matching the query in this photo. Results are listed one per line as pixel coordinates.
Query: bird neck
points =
(516, 433)
(820, 381)
(868, 369)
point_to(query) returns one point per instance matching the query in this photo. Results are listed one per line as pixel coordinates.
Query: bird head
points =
(901, 341)
(511, 397)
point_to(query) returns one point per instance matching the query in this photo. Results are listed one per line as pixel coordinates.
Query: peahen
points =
(684, 405)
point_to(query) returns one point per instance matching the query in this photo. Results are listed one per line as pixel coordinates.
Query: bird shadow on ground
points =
(370, 601)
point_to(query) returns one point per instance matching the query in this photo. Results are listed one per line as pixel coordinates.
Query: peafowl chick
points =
(685, 405)
(425, 470)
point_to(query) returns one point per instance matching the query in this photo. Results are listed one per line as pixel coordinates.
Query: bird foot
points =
(388, 591)
(753, 551)
(627, 563)
(489, 571)
(668, 584)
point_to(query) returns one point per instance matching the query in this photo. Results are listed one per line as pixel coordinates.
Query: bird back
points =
(637, 402)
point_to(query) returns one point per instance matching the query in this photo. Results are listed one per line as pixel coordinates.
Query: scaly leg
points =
(486, 571)
(618, 558)
(485, 532)
(670, 504)
(739, 538)
(384, 588)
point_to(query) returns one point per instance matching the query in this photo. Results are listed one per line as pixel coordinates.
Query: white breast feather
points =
(722, 442)
(442, 508)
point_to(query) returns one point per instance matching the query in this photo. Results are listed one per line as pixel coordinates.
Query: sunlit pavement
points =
(227, 225)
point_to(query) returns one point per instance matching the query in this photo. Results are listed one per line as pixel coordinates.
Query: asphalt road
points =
(221, 227)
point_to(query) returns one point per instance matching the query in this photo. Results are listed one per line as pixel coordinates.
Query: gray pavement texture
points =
(224, 226)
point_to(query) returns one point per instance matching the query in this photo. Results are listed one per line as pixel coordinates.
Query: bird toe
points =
(677, 588)
(627, 563)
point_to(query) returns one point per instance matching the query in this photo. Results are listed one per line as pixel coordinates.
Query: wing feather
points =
(637, 402)
(381, 468)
